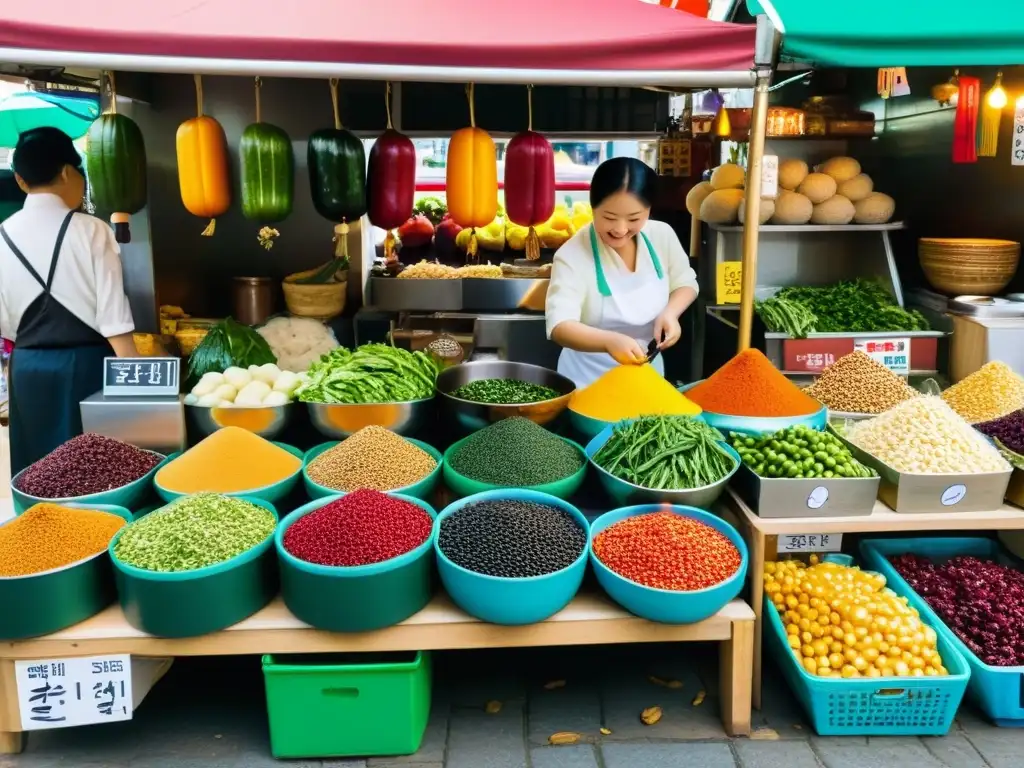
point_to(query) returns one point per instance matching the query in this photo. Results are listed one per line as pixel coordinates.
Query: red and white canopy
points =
(540, 41)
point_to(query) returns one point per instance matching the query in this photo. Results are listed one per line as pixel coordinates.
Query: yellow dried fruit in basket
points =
(651, 715)
(515, 236)
(492, 237)
(554, 232)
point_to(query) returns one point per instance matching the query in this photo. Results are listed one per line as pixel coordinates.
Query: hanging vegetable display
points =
(391, 180)
(203, 165)
(529, 181)
(471, 179)
(268, 173)
(115, 163)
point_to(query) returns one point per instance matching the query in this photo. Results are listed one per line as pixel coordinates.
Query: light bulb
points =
(1020, 103)
(996, 97)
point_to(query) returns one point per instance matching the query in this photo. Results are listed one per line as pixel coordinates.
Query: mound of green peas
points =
(798, 452)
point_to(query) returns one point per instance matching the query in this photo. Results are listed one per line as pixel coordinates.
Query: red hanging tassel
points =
(965, 123)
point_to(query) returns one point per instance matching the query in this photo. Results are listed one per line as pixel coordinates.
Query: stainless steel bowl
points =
(472, 416)
(340, 421)
(266, 421)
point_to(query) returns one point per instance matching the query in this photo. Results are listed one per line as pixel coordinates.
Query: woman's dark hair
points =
(41, 154)
(623, 174)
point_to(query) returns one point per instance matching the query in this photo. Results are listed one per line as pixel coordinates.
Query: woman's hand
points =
(625, 350)
(667, 329)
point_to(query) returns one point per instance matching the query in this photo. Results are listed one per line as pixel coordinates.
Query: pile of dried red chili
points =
(360, 528)
(664, 550)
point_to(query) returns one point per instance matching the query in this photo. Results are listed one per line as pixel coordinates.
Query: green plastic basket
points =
(272, 493)
(422, 489)
(42, 603)
(193, 603)
(357, 598)
(345, 705)
(461, 486)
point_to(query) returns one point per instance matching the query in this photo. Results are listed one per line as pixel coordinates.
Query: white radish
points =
(287, 382)
(191, 399)
(208, 401)
(225, 392)
(237, 377)
(203, 388)
(275, 398)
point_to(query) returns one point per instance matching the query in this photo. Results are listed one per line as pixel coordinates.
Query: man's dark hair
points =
(41, 154)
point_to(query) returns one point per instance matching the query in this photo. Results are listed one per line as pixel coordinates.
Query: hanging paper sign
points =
(894, 354)
(769, 176)
(900, 83)
(1017, 153)
(810, 542)
(729, 282)
(61, 693)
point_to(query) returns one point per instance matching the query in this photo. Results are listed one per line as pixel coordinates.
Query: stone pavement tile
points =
(576, 756)
(331, 763)
(668, 755)
(878, 753)
(479, 740)
(1000, 747)
(954, 751)
(772, 754)
(576, 707)
(970, 719)
(780, 709)
(625, 696)
(434, 741)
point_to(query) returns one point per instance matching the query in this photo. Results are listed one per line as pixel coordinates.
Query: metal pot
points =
(252, 299)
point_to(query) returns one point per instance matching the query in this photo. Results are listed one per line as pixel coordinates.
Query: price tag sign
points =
(141, 376)
(894, 354)
(810, 542)
(1017, 144)
(62, 693)
(729, 282)
(769, 176)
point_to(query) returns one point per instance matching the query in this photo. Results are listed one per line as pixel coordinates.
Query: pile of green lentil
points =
(515, 453)
(194, 532)
(373, 458)
(504, 392)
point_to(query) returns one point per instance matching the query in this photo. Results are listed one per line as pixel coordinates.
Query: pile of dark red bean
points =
(980, 600)
(361, 528)
(511, 539)
(1009, 430)
(84, 465)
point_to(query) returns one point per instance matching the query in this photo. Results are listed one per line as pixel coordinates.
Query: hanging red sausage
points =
(391, 180)
(529, 181)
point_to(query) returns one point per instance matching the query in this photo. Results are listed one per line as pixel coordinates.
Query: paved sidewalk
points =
(209, 713)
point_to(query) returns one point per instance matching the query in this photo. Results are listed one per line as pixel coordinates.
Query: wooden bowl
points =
(957, 266)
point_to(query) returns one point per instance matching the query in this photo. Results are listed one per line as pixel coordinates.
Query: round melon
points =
(836, 210)
(696, 196)
(792, 172)
(876, 208)
(766, 211)
(727, 176)
(857, 188)
(792, 208)
(817, 187)
(840, 168)
(722, 206)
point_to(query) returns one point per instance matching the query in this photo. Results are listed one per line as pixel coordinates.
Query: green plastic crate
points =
(347, 705)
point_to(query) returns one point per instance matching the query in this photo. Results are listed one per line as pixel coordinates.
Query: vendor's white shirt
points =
(88, 280)
(573, 292)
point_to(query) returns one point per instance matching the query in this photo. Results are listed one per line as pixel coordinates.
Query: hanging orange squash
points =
(203, 165)
(471, 177)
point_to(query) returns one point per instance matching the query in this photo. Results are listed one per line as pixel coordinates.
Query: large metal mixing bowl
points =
(340, 421)
(472, 416)
(267, 421)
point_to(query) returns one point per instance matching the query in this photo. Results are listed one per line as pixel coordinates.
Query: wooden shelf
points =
(891, 226)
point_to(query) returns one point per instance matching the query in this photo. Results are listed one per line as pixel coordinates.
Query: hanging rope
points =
(387, 102)
(199, 94)
(472, 107)
(529, 107)
(334, 103)
(259, 84)
(113, 93)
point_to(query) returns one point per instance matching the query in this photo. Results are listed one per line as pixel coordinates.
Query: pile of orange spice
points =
(49, 536)
(664, 550)
(749, 385)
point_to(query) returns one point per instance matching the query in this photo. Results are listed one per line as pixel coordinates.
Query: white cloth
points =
(88, 280)
(637, 297)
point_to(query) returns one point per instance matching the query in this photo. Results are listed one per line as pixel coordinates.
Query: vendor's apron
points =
(57, 363)
(631, 309)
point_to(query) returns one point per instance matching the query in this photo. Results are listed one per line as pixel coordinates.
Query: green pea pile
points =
(194, 532)
(515, 453)
(798, 452)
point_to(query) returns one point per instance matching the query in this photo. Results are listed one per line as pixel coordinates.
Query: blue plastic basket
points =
(998, 691)
(760, 425)
(893, 706)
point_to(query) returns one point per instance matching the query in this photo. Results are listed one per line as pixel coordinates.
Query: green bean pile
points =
(666, 453)
(504, 392)
(372, 373)
(798, 452)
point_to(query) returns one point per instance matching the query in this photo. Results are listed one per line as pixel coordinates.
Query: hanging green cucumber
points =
(267, 174)
(115, 164)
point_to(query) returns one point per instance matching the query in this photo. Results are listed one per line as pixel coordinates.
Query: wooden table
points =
(590, 619)
(762, 535)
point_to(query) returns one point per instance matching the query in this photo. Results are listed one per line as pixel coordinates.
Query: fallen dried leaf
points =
(564, 737)
(650, 716)
(699, 698)
(606, 731)
(798, 727)
(673, 684)
(493, 707)
(765, 734)
(554, 684)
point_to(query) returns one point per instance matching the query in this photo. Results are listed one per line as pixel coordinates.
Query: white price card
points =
(894, 353)
(810, 542)
(62, 693)
(1017, 140)
(769, 176)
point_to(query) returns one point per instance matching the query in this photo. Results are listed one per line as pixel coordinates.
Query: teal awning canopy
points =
(28, 109)
(898, 33)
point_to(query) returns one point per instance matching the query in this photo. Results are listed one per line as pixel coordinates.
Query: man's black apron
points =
(57, 363)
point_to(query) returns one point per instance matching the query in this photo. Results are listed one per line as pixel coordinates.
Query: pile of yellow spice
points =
(629, 391)
(992, 391)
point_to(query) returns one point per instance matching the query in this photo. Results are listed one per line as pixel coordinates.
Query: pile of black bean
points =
(511, 539)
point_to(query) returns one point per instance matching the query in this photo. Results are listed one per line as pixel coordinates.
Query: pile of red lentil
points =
(361, 528)
(664, 550)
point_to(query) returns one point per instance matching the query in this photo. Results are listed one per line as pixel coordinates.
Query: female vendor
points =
(619, 283)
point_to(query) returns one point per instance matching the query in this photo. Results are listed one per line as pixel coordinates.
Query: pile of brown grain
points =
(855, 383)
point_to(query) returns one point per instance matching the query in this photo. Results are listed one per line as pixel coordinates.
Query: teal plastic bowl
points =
(42, 603)
(753, 425)
(664, 605)
(507, 601)
(127, 496)
(461, 486)
(420, 490)
(272, 493)
(357, 598)
(204, 600)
